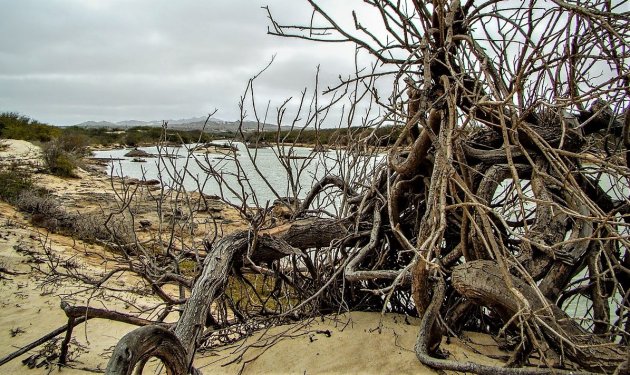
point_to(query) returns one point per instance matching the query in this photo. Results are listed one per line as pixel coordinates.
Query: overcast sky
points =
(68, 61)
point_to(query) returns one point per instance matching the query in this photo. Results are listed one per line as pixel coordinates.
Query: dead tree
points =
(502, 205)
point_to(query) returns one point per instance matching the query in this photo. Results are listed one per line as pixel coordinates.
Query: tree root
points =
(424, 338)
(483, 282)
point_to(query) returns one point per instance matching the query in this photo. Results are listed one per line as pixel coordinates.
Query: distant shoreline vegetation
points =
(17, 126)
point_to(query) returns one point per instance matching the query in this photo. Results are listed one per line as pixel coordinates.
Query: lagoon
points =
(257, 176)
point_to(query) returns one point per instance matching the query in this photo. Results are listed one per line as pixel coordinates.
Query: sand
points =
(358, 343)
(18, 150)
(352, 343)
(29, 307)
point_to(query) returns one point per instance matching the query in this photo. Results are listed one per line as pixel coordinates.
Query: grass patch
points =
(188, 268)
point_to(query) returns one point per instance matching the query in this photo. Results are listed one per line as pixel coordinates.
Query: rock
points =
(135, 181)
(135, 153)
(151, 182)
(145, 224)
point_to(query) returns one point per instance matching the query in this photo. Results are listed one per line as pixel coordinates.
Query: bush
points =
(16, 126)
(47, 212)
(74, 143)
(133, 138)
(58, 161)
(14, 182)
(44, 206)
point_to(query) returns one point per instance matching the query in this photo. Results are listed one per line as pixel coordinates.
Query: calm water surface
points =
(258, 177)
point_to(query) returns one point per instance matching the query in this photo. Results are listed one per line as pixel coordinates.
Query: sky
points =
(64, 62)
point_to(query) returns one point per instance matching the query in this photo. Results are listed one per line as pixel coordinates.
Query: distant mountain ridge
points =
(193, 123)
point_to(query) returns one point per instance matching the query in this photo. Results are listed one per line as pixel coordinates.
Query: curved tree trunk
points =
(483, 282)
(272, 244)
(136, 347)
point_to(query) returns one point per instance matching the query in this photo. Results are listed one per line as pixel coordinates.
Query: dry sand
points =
(30, 308)
(18, 150)
(357, 343)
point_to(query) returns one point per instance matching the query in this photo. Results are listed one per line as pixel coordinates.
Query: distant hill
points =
(96, 124)
(194, 123)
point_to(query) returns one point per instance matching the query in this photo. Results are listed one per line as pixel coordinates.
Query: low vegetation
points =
(14, 183)
(19, 189)
(380, 137)
(75, 140)
(16, 126)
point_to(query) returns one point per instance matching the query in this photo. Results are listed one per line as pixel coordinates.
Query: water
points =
(615, 185)
(256, 176)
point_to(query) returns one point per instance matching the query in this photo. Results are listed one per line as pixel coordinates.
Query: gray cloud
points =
(68, 61)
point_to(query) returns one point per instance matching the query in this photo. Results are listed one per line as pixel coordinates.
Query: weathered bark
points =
(569, 256)
(420, 147)
(426, 336)
(92, 312)
(210, 283)
(226, 253)
(321, 185)
(483, 282)
(145, 342)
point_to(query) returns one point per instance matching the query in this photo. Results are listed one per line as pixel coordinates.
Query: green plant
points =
(58, 161)
(133, 138)
(189, 267)
(16, 126)
(74, 142)
(13, 182)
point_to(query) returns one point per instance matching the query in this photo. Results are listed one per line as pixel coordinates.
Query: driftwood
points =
(425, 334)
(149, 341)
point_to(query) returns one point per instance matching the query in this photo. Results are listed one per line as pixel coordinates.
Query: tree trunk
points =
(271, 244)
(483, 282)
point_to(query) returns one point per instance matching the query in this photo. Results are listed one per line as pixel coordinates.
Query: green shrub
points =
(74, 142)
(16, 126)
(133, 138)
(13, 182)
(189, 267)
(58, 161)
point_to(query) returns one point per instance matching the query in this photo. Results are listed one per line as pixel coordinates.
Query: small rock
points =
(135, 153)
